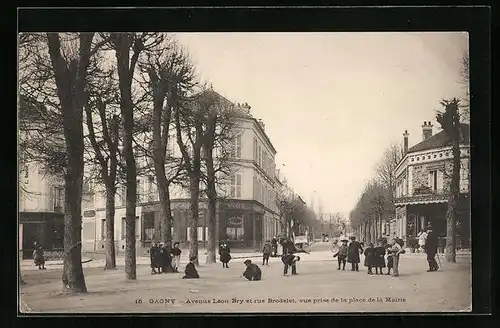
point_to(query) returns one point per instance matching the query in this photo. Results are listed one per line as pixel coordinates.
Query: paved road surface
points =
(319, 287)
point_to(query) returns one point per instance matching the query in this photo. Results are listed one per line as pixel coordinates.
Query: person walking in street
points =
(190, 272)
(274, 244)
(369, 257)
(266, 252)
(290, 260)
(379, 257)
(252, 272)
(431, 246)
(396, 249)
(176, 253)
(39, 257)
(341, 254)
(353, 251)
(422, 236)
(225, 254)
(154, 253)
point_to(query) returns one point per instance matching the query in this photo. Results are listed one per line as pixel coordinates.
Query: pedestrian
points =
(341, 254)
(154, 253)
(190, 272)
(290, 260)
(369, 257)
(176, 253)
(390, 261)
(379, 257)
(252, 271)
(274, 244)
(266, 252)
(353, 251)
(225, 254)
(39, 257)
(422, 236)
(431, 246)
(396, 249)
(165, 258)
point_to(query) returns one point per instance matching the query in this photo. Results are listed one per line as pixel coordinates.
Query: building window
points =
(199, 232)
(103, 229)
(58, 199)
(148, 226)
(255, 149)
(433, 180)
(236, 146)
(236, 182)
(124, 228)
(234, 228)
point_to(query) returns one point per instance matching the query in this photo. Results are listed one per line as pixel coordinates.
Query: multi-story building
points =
(41, 209)
(423, 181)
(247, 212)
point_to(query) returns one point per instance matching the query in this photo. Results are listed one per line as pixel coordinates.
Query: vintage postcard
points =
(244, 172)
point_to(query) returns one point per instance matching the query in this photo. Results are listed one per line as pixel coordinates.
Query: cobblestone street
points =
(319, 287)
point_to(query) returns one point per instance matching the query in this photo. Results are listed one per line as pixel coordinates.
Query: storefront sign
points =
(238, 206)
(235, 221)
(89, 214)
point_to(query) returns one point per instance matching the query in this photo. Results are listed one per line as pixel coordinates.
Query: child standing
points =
(266, 252)
(379, 257)
(176, 253)
(225, 255)
(341, 254)
(369, 257)
(39, 258)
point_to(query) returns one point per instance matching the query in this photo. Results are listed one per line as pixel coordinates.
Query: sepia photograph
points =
(223, 172)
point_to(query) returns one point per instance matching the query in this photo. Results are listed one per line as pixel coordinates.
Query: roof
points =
(441, 139)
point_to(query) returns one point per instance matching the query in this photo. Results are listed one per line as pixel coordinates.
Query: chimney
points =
(405, 141)
(261, 123)
(426, 130)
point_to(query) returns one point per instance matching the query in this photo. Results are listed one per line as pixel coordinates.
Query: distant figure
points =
(431, 246)
(190, 271)
(154, 253)
(225, 255)
(252, 271)
(369, 257)
(176, 253)
(39, 258)
(266, 252)
(274, 245)
(379, 261)
(422, 237)
(341, 254)
(353, 251)
(289, 260)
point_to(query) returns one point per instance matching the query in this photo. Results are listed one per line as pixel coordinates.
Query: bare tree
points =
(465, 81)
(103, 134)
(219, 131)
(449, 119)
(167, 69)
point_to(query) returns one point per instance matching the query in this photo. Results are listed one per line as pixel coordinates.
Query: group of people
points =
(375, 257)
(165, 258)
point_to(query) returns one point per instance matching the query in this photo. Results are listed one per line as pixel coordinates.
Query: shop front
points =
(46, 229)
(240, 223)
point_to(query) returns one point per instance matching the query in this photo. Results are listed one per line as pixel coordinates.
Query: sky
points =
(333, 102)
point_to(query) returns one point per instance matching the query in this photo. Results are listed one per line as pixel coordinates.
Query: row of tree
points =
(104, 107)
(295, 215)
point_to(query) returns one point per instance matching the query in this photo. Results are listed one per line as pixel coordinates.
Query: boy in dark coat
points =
(154, 252)
(341, 254)
(39, 258)
(353, 251)
(190, 271)
(379, 257)
(266, 252)
(225, 255)
(289, 260)
(176, 253)
(274, 246)
(166, 258)
(370, 257)
(252, 271)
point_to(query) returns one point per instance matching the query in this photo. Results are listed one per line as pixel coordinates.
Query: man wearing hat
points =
(341, 254)
(353, 251)
(252, 271)
(431, 245)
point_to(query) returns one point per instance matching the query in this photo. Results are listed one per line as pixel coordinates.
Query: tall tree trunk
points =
(194, 188)
(451, 213)
(70, 81)
(20, 277)
(109, 244)
(212, 204)
(164, 195)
